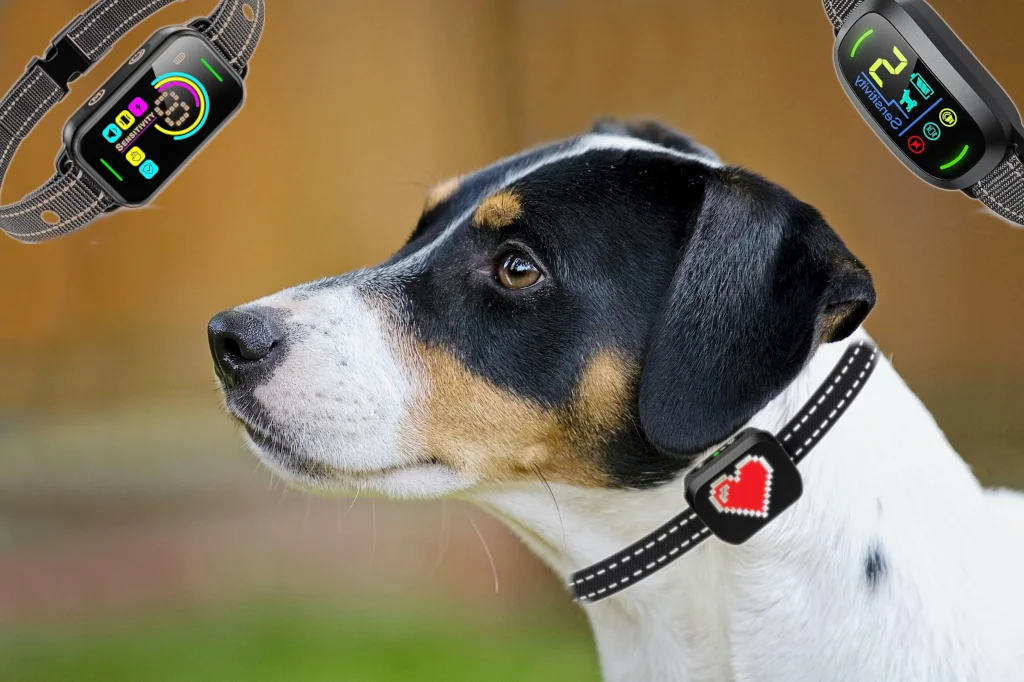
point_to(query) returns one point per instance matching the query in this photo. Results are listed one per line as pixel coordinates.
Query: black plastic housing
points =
(957, 69)
(744, 486)
(97, 106)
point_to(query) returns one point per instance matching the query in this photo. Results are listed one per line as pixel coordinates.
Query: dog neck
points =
(688, 621)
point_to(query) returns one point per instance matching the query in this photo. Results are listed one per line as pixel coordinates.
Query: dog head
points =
(594, 312)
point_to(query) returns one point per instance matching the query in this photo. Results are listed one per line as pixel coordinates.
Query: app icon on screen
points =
(908, 101)
(124, 120)
(932, 130)
(149, 169)
(111, 133)
(138, 106)
(135, 156)
(921, 85)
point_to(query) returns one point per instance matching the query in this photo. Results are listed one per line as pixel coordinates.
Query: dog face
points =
(593, 312)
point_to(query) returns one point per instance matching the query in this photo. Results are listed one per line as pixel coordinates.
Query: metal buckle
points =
(64, 163)
(63, 62)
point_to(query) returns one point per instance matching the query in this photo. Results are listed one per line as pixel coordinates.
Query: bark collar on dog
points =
(738, 489)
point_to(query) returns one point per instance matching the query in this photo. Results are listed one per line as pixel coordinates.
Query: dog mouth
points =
(272, 445)
(275, 452)
(279, 454)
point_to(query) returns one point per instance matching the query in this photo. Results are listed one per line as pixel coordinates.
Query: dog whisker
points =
(487, 550)
(443, 537)
(373, 520)
(540, 475)
(354, 500)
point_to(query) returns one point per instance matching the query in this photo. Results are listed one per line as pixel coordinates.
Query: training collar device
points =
(738, 489)
(930, 100)
(144, 124)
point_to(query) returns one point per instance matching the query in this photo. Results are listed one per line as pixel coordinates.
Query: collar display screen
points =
(743, 487)
(917, 113)
(171, 107)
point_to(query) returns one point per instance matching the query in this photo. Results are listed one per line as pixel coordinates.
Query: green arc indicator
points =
(860, 40)
(957, 160)
(104, 162)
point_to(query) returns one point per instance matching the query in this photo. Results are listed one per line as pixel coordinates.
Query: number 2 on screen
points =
(889, 67)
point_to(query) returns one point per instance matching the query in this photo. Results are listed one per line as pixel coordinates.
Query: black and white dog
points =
(597, 314)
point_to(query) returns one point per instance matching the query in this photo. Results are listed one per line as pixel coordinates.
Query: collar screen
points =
(907, 102)
(150, 128)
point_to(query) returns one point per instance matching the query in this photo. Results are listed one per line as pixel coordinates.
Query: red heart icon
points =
(748, 491)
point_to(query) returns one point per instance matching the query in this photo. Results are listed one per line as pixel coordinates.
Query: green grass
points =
(298, 645)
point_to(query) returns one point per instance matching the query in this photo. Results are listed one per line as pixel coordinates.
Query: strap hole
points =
(49, 217)
(248, 12)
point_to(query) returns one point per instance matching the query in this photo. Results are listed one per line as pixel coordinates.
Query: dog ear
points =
(761, 281)
(656, 133)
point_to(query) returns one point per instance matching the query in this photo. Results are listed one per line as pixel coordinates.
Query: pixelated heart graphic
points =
(748, 491)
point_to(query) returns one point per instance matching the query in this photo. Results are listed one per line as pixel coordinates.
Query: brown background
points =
(110, 436)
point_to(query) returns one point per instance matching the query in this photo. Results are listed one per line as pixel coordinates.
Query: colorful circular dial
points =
(182, 106)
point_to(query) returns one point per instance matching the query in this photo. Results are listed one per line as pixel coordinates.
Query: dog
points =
(594, 316)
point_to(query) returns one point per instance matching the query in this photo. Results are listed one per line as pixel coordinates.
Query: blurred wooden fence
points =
(355, 106)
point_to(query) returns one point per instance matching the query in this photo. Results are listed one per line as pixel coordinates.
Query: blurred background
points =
(139, 541)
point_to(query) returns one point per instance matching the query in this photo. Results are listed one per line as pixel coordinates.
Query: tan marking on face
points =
(835, 320)
(604, 393)
(498, 210)
(485, 431)
(441, 192)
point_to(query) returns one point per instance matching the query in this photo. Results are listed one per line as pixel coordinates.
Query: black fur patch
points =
(875, 567)
(743, 312)
(712, 282)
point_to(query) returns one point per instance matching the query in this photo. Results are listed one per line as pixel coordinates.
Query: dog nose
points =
(242, 340)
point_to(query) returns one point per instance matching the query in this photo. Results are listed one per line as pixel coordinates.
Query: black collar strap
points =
(234, 28)
(737, 490)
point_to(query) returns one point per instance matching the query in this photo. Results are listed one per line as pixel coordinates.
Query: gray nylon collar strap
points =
(1002, 190)
(70, 195)
(838, 10)
(686, 530)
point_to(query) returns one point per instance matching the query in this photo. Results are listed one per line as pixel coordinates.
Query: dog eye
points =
(517, 271)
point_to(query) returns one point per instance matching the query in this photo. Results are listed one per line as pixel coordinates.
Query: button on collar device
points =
(144, 124)
(738, 489)
(930, 100)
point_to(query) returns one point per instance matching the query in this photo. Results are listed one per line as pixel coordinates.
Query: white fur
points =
(343, 396)
(793, 603)
(340, 344)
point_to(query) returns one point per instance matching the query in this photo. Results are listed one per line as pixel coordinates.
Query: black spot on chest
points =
(875, 567)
